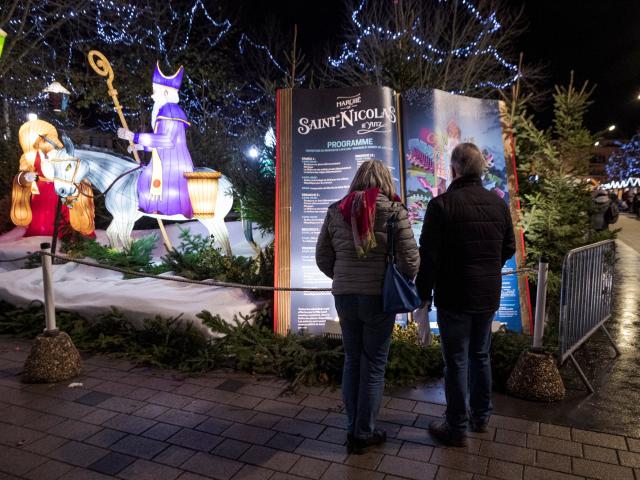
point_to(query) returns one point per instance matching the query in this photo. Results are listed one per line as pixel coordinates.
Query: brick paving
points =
(138, 423)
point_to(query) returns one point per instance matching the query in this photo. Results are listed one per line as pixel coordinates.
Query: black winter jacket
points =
(466, 238)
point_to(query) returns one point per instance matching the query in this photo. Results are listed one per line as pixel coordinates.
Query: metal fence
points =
(585, 298)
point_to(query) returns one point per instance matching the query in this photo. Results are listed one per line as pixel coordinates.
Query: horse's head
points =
(68, 170)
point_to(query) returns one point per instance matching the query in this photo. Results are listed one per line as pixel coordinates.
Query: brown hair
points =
(373, 174)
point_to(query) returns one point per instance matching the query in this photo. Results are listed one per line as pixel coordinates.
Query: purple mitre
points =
(173, 81)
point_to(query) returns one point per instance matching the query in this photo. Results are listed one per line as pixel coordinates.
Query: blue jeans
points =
(366, 336)
(466, 344)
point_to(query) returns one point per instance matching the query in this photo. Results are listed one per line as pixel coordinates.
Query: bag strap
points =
(391, 226)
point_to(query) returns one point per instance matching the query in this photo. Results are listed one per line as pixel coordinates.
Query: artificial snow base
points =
(92, 292)
(536, 377)
(53, 358)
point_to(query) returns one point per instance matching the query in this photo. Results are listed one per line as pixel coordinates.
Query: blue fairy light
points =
(430, 53)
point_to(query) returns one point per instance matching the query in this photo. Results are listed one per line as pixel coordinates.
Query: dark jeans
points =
(466, 343)
(366, 336)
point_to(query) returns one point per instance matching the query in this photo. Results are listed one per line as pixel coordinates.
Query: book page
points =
(433, 123)
(333, 132)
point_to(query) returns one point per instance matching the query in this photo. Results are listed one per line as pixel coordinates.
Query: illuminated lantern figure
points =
(160, 189)
(33, 199)
(162, 186)
(118, 179)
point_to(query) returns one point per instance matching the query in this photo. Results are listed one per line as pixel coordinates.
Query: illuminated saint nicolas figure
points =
(162, 188)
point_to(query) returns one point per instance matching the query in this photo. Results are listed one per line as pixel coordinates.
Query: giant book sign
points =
(322, 138)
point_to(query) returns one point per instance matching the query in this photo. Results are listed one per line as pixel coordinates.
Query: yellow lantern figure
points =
(203, 190)
(34, 148)
(3, 36)
(34, 203)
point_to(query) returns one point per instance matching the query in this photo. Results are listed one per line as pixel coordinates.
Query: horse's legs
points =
(247, 228)
(125, 232)
(218, 229)
(112, 234)
(119, 232)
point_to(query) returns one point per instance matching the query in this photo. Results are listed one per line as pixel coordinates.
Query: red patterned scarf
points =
(359, 209)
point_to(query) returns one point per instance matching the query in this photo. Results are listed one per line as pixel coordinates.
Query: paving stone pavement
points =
(139, 423)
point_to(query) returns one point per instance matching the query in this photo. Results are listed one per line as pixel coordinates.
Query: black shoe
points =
(478, 427)
(358, 446)
(441, 432)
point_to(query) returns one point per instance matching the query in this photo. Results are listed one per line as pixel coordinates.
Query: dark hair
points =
(467, 159)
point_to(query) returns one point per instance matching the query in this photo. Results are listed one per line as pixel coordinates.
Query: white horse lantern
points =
(117, 179)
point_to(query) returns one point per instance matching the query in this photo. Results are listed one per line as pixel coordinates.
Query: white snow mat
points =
(91, 291)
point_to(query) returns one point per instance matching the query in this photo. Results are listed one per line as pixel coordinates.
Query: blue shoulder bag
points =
(399, 293)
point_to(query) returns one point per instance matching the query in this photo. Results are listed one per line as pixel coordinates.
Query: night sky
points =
(599, 40)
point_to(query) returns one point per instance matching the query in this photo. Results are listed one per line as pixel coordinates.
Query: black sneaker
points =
(358, 446)
(441, 432)
(478, 427)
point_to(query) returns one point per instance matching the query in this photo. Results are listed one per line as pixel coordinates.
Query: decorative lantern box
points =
(203, 191)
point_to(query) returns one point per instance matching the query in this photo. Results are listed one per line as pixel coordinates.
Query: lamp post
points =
(253, 152)
(58, 96)
(601, 135)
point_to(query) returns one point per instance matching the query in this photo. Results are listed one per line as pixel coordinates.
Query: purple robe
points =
(169, 140)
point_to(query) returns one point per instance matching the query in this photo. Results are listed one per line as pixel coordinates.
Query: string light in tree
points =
(429, 52)
(624, 162)
(121, 25)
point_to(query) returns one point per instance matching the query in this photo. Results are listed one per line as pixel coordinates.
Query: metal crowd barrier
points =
(585, 299)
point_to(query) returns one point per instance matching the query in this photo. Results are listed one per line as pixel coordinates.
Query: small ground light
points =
(32, 116)
(253, 152)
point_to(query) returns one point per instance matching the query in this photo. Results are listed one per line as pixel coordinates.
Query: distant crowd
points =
(606, 207)
(629, 201)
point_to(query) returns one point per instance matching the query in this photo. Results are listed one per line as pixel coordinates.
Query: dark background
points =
(599, 40)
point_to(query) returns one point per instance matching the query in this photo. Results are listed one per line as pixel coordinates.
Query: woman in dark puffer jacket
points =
(351, 250)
